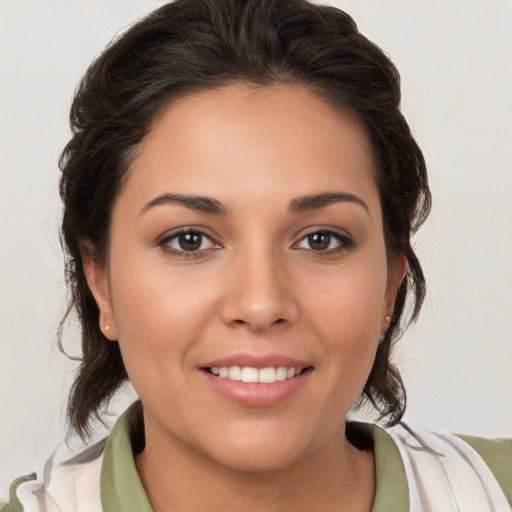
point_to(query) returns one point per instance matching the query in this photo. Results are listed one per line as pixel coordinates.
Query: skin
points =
(255, 286)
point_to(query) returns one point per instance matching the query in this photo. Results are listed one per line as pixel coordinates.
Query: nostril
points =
(243, 322)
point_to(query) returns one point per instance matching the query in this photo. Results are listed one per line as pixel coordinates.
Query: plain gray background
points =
(455, 57)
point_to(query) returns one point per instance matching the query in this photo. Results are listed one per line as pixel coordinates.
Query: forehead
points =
(280, 140)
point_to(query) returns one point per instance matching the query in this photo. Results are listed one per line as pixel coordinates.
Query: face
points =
(247, 281)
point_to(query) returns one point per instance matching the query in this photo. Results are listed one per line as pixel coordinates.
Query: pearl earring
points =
(107, 327)
(388, 318)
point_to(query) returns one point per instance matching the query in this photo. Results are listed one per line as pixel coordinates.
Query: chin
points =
(263, 451)
(259, 461)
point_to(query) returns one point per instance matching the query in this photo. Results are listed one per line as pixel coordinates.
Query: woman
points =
(239, 196)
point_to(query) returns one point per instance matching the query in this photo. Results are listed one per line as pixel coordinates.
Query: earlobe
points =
(396, 274)
(97, 279)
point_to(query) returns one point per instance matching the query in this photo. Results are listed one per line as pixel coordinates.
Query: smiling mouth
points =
(267, 375)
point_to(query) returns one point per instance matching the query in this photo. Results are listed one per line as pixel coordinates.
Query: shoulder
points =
(14, 504)
(497, 454)
(66, 481)
(472, 472)
(86, 478)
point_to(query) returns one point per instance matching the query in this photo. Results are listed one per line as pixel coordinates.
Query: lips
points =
(260, 381)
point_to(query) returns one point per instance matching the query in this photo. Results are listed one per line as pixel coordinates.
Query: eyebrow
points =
(209, 205)
(314, 201)
(199, 203)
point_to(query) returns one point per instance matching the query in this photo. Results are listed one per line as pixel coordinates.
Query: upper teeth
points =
(248, 374)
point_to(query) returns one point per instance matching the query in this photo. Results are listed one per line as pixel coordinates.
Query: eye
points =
(188, 241)
(326, 241)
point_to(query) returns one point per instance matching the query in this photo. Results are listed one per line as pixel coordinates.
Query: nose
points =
(259, 293)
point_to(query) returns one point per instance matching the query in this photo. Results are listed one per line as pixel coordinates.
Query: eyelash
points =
(345, 242)
(167, 239)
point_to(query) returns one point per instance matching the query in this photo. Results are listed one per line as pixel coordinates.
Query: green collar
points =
(121, 488)
(120, 485)
(392, 492)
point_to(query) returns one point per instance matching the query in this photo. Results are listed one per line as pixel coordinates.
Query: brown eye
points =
(190, 241)
(325, 241)
(319, 241)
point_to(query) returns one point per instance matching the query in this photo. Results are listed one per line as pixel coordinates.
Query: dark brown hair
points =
(192, 45)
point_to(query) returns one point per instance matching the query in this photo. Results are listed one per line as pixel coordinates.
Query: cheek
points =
(159, 309)
(348, 303)
(346, 314)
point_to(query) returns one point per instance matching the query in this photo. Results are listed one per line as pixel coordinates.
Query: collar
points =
(121, 488)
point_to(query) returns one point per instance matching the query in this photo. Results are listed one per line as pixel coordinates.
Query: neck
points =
(337, 474)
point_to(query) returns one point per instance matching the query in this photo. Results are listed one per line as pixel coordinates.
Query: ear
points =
(397, 268)
(97, 278)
